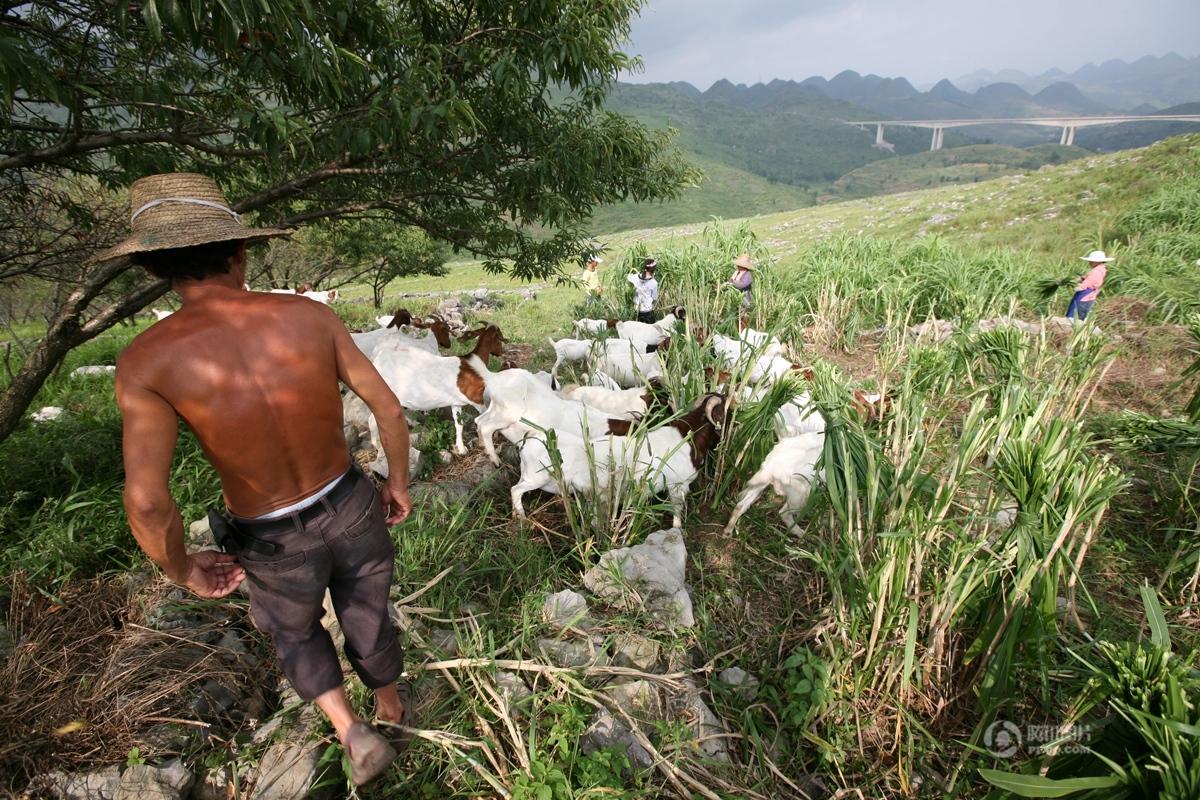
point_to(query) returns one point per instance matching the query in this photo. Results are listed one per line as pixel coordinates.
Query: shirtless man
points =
(255, 376)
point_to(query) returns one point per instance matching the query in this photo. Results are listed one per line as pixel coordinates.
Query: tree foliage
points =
(478, 121)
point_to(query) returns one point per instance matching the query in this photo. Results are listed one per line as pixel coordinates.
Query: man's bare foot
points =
(389, 706)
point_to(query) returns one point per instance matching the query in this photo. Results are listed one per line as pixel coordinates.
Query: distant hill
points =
(726, 192)
(1137, 134)
(969, 164)
(1150, 81)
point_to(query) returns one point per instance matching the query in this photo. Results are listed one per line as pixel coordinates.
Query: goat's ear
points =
(470, 334)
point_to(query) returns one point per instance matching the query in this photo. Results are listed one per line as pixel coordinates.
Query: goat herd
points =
(617, 434)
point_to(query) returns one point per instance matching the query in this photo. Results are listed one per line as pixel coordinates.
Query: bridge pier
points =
(939, 135)
(879, 135)
(1068, 135)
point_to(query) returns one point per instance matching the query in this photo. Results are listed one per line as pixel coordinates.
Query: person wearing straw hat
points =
(645, 287)
(590, 279)
(1089, 285)
(255, 376)
(743, 280)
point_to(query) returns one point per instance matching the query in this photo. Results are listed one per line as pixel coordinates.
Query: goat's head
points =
(700, 335)
(490, 341)
(680, 312)
(401, 317)
(719, 377)
(715, 407)
(611, 323)
(304, 287)
(440, 331)
(870, 408)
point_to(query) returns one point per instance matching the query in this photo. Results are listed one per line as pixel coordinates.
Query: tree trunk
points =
(65, 333)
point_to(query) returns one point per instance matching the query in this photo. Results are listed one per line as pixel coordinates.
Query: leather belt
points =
(265, 527)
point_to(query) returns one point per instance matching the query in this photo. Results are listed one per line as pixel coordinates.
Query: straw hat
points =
(744, 262)
(180, 209)
(1096, 256)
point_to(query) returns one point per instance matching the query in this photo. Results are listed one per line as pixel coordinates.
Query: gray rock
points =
(443, 640)
(649, 575)
(267, 730)
(99, 784)
(607, 731)
(168, 781)
(214, 700)
(706, 727)
(166, 738)
(510, 685)
(287, 771)
(216, 784)
(564, 609)
(639, 699)
(200, 537)
(380, 465)
(445, 456)
(448, 492)
(634, 651)
(573, 653)
(745, 684)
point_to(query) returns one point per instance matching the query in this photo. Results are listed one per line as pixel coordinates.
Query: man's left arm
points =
(149, 432)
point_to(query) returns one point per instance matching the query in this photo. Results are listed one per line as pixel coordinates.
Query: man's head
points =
(593, 261)
(182, 228)
(743, 263)
(195, 263)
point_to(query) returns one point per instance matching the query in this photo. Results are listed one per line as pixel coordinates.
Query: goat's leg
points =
(456, 415)
(753, 490)
(795, 496)
(678, 497)
(554, 371)
(487, 428)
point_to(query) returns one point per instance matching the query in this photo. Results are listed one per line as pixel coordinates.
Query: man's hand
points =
(396, 503)
(213, 574)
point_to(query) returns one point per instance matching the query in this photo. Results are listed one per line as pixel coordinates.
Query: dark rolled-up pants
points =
(343, 546)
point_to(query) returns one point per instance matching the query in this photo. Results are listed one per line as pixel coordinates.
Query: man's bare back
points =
(255, 376)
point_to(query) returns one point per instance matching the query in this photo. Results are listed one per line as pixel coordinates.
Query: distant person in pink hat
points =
(1089, 285)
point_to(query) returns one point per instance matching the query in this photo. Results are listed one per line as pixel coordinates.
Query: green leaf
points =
(1039, 786)
(1159, 634)
(150, 17)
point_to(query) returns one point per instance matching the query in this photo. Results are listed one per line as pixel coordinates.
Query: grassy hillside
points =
(992, 549)
(970, 164)
(725, 192)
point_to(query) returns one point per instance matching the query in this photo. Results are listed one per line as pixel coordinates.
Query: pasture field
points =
(1013, 544)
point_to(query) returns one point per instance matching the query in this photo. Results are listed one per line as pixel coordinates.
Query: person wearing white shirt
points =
(646, 288)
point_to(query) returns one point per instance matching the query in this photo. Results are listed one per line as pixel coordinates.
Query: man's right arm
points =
(357, 372)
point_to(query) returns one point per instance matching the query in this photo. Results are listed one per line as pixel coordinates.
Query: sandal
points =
(396, 732)
(369, 753)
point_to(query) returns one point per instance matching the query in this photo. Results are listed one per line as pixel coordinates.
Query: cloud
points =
(757, 40)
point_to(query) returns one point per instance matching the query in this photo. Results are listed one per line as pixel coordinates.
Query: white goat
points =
(371, 342)
(595, 327)
(645, 333)
(93, 370)
(518, 404)
(621, 360)
(763, 343)
(46, 414)
(622, 404)
(665, 459)
(602, 380)
(323, 298)
(569, 350)
(425, 381)
(791, 469)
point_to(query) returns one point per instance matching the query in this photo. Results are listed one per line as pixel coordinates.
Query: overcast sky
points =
(748, 41)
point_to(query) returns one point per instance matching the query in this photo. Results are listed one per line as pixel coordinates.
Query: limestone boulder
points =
(574, 653)
(565, 609)
(288, 770)
(635, 651)
(647, 576)
(169, 781)
(606, 731)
